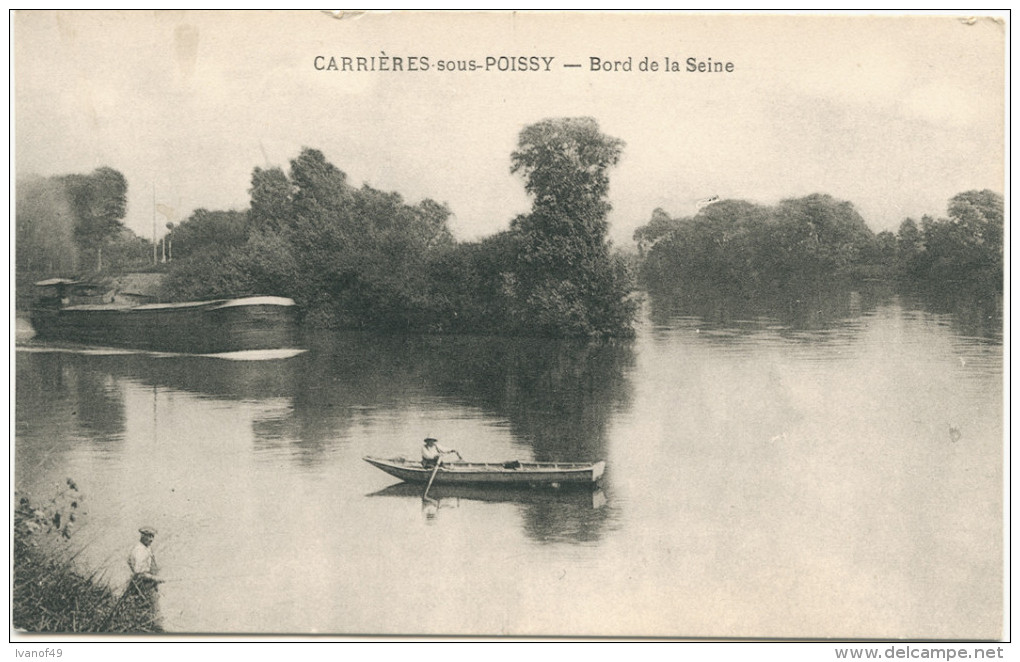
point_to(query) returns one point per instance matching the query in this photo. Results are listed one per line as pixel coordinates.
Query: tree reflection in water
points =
(822, 307)
(554, 397)
(572, 514)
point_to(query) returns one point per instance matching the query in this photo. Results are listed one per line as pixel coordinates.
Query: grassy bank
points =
(51, 593)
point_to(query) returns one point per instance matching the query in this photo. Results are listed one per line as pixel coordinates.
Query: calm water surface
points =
(790, 476)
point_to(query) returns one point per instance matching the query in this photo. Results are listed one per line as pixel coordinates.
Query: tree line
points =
(358, 257)
(746, 247)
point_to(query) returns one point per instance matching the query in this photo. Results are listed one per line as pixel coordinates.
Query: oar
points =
(431, 478)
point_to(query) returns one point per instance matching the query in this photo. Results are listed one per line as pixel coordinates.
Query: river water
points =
(833, 471)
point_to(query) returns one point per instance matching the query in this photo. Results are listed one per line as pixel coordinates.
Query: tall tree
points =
(565, 165)
(567, 282)
(98, 202)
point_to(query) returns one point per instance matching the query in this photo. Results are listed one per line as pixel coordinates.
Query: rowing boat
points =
(552, 474)
(493, 473)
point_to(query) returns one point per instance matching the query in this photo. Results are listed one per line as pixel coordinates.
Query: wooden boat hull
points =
(553, 474)
(202, 327)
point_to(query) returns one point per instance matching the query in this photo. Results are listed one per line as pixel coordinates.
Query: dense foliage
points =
(746, 247)
(567, 282)
(352, 257)
(965, 248)
(363, 258)
(98, 202)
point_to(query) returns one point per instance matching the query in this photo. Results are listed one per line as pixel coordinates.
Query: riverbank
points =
(52, 595)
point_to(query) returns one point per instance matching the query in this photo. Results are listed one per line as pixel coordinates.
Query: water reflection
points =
(430, 508)
(581, 496)
(554, 396)
(795, 310)
(551, 399)
(69, 403)
(732, 473)
(820, 314)
(573, 515)
(202, 375)
(968, 311)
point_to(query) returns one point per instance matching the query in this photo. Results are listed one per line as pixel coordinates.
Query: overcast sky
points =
(895, 114)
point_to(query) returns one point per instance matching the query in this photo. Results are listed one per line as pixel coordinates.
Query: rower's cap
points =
(430, 440)
(147, 530)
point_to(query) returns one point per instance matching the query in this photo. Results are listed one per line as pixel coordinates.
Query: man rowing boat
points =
(432, 453)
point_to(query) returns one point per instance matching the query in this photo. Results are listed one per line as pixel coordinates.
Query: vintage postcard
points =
(627, 325)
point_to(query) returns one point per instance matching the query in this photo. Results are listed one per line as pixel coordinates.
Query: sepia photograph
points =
(510, 325)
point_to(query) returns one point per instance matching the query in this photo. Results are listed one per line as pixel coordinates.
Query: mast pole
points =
(154, 220)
